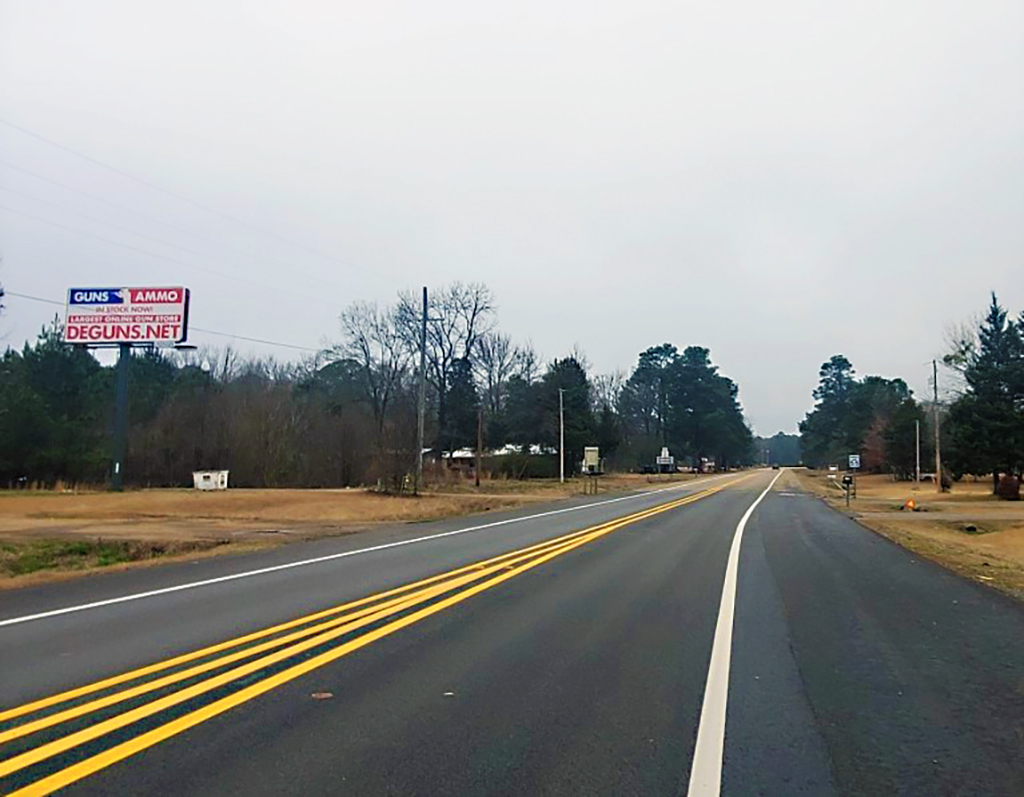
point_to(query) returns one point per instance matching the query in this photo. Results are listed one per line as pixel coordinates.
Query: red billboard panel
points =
(98, 316)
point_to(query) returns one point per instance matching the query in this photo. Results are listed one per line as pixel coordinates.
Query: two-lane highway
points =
(97, 626)
(632, 646)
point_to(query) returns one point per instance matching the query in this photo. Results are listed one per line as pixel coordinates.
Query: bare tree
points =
(580, 357)
(226, 364)
(373, 339)
(497, 359)
(607, 388)
(962, 347)
(528, 365)
(460, 314)
(222, 365)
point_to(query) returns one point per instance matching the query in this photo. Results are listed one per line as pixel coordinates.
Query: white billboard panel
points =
(98, 316)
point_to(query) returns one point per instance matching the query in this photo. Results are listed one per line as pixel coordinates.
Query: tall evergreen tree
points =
(986, 425)
(463, 405)
(580, 429)
(825, 432)
(900, 439)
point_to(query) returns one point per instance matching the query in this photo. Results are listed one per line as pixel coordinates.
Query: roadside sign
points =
(854, 461)
(105, 316)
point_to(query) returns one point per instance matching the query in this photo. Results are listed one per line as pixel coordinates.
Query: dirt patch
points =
(967, 530)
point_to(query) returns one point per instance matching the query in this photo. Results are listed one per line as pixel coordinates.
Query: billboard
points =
(98, 316)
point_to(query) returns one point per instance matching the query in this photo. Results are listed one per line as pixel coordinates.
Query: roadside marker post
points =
(124, 357)
(854, 466)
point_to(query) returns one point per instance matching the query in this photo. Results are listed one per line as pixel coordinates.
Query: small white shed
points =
(210, 479)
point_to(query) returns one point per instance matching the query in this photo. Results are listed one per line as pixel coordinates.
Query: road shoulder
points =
(912, 674)
(980, 541)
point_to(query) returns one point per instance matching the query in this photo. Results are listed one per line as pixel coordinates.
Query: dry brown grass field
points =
(74, 531)
(967, 529)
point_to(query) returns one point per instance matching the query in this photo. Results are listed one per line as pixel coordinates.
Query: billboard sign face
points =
(106, 316)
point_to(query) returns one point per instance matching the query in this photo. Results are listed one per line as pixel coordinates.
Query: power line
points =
(101, 221)
(147, 217)
(182, 198)
(191, 328)
(256, 340)
(220, 274)
(33, 298)
(95, 220)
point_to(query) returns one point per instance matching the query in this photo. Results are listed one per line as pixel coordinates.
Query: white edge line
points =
(344, 554)
(706, 771)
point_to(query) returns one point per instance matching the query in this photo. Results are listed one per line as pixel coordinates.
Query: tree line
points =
(875, 417)
(679, 400)
(348, 414)
(779, 449)
(982, 427)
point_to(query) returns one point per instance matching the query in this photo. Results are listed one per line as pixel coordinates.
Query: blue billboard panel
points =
(97, 296)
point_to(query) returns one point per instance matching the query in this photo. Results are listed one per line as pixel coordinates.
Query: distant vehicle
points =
(775, 466)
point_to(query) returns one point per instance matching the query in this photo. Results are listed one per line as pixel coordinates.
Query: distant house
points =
(461, 459)
(464, 459)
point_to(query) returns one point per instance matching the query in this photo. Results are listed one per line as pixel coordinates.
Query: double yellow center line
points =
(62, 722)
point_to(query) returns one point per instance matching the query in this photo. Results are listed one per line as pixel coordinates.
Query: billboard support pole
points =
(102, 318)
(124, 359)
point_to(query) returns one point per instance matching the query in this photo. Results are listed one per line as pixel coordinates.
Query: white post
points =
(561, 437)
(938, 455)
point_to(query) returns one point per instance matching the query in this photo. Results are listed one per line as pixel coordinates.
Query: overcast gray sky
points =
(777, 181)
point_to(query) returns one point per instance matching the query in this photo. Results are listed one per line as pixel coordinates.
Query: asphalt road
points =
(585, 655)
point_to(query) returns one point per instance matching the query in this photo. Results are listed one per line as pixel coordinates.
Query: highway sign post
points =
(591, 469)
(125, 318)
(854, 466)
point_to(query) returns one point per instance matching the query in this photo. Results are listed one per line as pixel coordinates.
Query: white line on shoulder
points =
(706, 771)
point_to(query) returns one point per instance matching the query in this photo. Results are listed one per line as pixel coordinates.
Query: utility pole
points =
(479, 441)
(917, 461)
(938, 455)
(561, 436)
(422, 402)
(124, 358)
